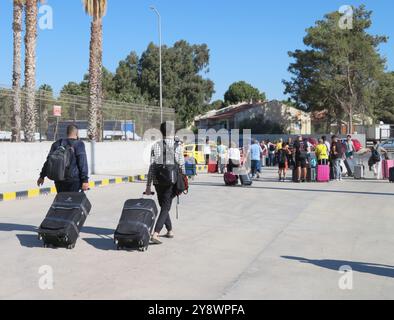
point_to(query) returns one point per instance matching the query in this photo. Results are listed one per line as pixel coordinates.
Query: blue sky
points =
(248, 39)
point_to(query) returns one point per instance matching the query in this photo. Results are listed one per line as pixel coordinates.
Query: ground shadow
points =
(362, 267)
(105, 244)
(98, 231)
(8, 227)
(29, 240)
(212, 184)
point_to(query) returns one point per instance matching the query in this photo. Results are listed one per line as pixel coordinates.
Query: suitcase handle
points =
(151, 195)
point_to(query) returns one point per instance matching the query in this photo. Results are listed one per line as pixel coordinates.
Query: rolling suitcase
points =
(359, 172)
(212, 167)
(136, 224)
(230, 179)
(245, 178)
(387, 165)
(391, 175)
(64, 221)
(323, 173)
(349, 167)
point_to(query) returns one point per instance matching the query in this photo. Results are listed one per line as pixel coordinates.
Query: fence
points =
(116, 117)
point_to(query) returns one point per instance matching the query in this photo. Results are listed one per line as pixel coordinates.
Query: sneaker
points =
(155, 240)
(170, 235)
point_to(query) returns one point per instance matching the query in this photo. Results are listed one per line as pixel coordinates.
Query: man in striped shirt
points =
(170, 153)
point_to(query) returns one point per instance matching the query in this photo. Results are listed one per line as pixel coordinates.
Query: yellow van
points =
(196, 151)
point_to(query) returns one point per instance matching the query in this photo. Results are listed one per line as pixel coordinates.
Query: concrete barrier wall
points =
(21, 162)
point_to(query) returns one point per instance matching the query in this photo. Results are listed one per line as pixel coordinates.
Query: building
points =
(294, 120)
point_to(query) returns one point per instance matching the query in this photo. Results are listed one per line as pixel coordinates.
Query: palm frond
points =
(95, 8)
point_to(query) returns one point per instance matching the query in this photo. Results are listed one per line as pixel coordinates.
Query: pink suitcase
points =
(387, 164)
(323, 173)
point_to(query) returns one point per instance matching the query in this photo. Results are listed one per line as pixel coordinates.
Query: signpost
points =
(57, 112)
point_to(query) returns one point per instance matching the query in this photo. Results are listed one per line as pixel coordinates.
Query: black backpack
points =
(59, 162)
(167, 168)
(375, 156)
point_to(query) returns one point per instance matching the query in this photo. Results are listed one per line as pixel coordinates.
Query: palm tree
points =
(96, 9)
(17, 70)
(30, 68)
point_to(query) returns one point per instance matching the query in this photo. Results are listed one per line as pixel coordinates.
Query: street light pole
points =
(160, 62)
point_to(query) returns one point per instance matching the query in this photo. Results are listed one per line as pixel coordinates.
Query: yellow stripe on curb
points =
(118, 180)
(105, 182)
(33, 193)
(142, 177)
(131, 179)
(8, 196)
(91, 184)
(53, 190)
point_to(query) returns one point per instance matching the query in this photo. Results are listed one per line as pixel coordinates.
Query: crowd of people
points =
(300, 155)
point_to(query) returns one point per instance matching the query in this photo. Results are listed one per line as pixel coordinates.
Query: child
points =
(283, 158)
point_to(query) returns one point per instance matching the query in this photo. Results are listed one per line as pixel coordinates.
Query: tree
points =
(96, 9)
(259, 125)
(384, 110)
(46, 101)
(126, 80)
(30, 68)
(17, 70)
(184, 88)
(341, 68)
(217, 105)
(243, 92)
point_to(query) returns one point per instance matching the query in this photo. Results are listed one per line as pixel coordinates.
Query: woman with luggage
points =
(234, 157)
(375, 161)
(322, 153)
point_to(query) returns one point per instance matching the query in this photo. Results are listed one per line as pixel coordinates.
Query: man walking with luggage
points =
(67, 164)
(167, 162)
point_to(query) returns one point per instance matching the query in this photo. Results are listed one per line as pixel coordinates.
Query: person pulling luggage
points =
(67, 164)
(166, 163)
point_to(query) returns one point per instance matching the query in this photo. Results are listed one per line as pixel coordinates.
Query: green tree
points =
(217, 105)
(243, 92)
(384, 110)
(259, 125)
(126, 80)
(184, 87)
(341, 68)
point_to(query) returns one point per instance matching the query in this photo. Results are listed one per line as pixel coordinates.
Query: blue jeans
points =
(337, 169)
(271, 159)
(255, 166)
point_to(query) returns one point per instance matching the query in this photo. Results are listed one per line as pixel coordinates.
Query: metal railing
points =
(75, 109)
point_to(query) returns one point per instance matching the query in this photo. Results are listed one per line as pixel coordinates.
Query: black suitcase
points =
(245, 178)
(391, 175)
(349, 169)
(64, 221)
(136, 224)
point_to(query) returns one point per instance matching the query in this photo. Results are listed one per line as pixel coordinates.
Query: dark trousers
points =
(254, 167)
(207, 157)
(68, 186)
(165, 197)
(271, 160)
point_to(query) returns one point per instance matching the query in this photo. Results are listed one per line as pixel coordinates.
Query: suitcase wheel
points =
(46, 245)
(71, 246)
(143, 249)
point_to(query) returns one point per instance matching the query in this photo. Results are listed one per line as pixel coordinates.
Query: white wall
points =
(20, 162)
